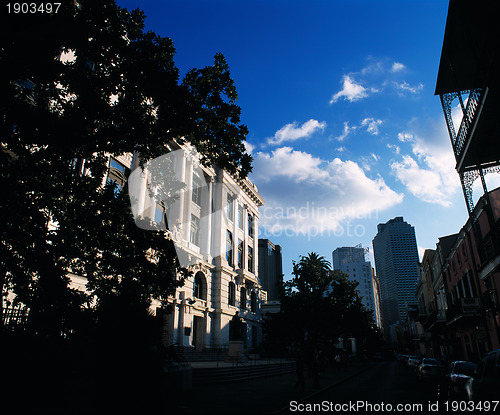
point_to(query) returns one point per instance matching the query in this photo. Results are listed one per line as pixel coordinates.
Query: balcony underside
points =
(470, 53)
(481, 148)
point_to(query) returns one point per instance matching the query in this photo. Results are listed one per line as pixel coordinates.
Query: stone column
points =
(187, 199)
(206, 220)
(180, 327)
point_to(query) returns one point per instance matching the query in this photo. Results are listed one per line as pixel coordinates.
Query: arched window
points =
(231, 294)
(243, 298)
(200, 288)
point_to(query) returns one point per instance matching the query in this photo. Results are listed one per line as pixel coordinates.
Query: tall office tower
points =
(351, 260)
(270, 269)
(396, 262)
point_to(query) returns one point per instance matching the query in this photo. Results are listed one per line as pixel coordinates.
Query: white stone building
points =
(214, 224)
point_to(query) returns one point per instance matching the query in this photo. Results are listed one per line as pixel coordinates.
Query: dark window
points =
(240, 254)
(243, 298)
(253, 302)
(250, 259)
(232, 294)
(250, 226)
(229, 247)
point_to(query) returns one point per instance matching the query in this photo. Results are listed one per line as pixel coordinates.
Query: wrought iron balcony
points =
(466, 307)
(470, 111)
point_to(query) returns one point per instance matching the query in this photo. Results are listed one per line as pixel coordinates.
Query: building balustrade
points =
(464, 131)
(465, 307)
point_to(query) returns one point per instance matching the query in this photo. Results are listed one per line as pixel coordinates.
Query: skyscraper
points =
(270, 268)
(351, 260)
(396, 262)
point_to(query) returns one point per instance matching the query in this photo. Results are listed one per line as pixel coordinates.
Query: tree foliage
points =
(319, 306)
(76, 86)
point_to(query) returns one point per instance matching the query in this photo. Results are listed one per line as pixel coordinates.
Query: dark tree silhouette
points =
(77, 85)
(318, 307)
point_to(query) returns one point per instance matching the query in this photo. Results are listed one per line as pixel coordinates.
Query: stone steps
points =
(241, 372)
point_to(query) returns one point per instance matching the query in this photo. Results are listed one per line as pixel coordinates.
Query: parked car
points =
(412, 361)
(484, 383)
(460, 372)
(402, 358)
(430, 368)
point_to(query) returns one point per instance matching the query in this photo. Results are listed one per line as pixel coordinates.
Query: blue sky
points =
(338, 97)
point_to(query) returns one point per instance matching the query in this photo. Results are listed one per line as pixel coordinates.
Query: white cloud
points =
(377, 75)
(397, 67)
(375, 66)
(368, 161)
(406, 87)
(293, 131)
(371, 125)
(345, 132)
(395, 148)
(406, 137)
(351, 91)
(421, 252)
(249, 148)
(305, 194)
(429, 174)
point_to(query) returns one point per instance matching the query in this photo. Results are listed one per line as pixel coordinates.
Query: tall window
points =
(240, 215)
(253, 302)
(240, 253)
(117, 174)
(160, 213)
(250, 226)
(250, 259)
(229, 247)
(199, 290)
(230, 207)
(197, 187)
(194, 236)
(243, 298)
(231, 294)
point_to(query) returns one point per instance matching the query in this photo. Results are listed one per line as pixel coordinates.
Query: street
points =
(388, 386)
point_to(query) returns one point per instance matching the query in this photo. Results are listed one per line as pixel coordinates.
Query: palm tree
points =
(311, 274)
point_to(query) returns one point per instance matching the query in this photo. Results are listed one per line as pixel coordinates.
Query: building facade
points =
(213, 221)
(397, 266)
(468, 79)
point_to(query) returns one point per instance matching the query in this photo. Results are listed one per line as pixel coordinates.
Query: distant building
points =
(351, 261)
(270, 269)
(376, 297)
(397, 265)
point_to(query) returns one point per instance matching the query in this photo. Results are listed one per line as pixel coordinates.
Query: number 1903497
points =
(479, 406)
(32, 8)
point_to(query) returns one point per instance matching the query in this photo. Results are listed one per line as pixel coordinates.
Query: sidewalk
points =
(269, 395)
